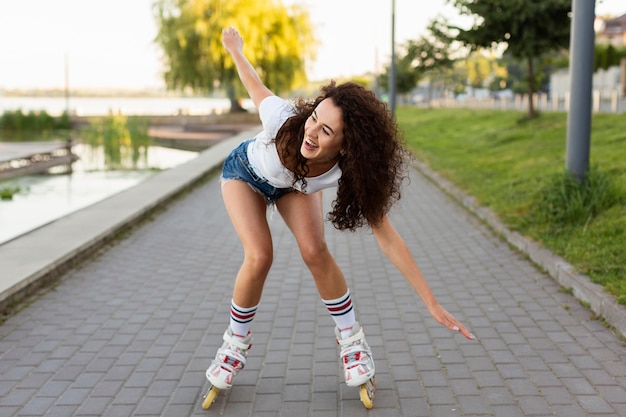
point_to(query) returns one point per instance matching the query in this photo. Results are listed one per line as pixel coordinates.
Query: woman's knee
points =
(260, 261)
(315, 254)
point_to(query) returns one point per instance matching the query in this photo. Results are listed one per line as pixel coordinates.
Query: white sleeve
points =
(273, 111)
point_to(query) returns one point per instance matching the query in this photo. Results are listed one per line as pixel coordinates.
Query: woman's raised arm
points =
(233, 42)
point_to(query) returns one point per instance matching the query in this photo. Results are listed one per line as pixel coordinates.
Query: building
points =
(611, 30)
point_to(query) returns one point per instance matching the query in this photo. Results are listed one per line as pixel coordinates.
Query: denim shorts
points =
(237, 167)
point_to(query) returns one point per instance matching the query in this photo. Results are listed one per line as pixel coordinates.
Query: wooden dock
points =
(25, 158)
(194, 138)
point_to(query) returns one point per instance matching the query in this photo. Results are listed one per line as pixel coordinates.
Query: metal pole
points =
(392, 70)
(67, 85)
(581, 79)
(623, 77)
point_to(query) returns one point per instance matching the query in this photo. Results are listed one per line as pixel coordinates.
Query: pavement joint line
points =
(600, 302)
(30, 261)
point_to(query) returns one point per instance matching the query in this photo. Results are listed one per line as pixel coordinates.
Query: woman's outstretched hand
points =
(232, 40)
(445, 318)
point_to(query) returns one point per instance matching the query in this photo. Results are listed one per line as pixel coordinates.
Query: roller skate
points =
(358, 364)
(229, 360)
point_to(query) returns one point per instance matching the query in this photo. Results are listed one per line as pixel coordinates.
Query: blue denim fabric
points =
(237, 167)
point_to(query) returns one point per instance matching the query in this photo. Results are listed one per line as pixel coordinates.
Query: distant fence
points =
(602, 102)
(608, 95)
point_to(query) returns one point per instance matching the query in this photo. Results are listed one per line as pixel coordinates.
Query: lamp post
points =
(67, 85)
(581, 79)
(392, 67)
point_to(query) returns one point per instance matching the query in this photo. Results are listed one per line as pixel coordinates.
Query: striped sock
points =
(342, 313)
(241, 319)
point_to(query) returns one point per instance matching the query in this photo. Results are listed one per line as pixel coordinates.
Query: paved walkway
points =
(130, 332)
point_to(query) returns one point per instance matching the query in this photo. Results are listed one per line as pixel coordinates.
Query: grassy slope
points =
(504, 162)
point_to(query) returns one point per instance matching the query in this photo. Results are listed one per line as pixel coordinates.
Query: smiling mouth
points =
(310, 144)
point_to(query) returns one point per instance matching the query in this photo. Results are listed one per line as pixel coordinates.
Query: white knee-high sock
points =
(342, 312)
(241, 319)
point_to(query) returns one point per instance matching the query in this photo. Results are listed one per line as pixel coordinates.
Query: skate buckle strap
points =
(354, 338)
(233, 341)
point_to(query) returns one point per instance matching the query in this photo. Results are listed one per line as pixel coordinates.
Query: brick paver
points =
(131, 332)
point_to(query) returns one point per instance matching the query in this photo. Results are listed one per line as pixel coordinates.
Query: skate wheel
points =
(366, 392)
(209, 398)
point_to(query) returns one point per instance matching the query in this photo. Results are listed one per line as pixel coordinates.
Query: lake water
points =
(46, 198)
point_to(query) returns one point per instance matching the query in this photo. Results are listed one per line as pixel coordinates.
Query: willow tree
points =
(279, 42)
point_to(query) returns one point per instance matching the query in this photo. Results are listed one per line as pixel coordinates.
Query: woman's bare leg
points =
(247, 211)
(303, 214)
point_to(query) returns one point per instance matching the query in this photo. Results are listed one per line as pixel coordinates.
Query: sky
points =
(109, 44)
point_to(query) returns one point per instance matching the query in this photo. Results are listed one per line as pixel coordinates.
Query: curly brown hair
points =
(374, 165)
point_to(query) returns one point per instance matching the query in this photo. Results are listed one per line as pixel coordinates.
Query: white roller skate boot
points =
(229, 360)
(358, 364)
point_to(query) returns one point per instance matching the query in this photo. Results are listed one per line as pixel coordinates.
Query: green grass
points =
(516, 168)
(7, 192)
(35, 121)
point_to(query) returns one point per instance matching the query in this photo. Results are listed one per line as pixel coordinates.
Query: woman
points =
(345, 138)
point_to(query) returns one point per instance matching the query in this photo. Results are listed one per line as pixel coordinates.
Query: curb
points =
(34, 259)
(600, 302)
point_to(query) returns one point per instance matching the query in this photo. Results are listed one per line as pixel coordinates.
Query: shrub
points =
(7, 192)
(124, 140)
(567, 201)
(37, 121)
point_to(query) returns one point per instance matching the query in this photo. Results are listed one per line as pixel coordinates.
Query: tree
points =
(484, 71)
(517, 79)
(432, 54)
(479, 70)
(429, 54)
(529, 28)
(455, 78)
(607, 55)
(406, 77)
(279, 41)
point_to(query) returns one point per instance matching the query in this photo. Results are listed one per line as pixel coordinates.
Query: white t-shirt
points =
(263, 156)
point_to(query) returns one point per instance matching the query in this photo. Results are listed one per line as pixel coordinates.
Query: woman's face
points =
(323, 133)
